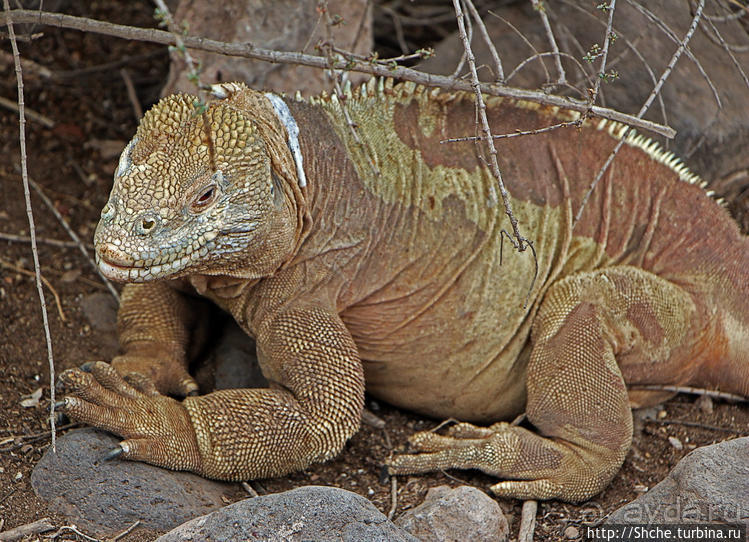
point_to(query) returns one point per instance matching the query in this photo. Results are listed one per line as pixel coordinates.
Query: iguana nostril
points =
(147, 224)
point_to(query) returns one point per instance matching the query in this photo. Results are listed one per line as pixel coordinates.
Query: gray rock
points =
(463, 513)
(709, 485)
(306, 513)
(105, 497)
(100, 310)
(287, 25)
(235, 361)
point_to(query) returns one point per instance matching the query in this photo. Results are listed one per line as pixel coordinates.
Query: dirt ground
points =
(73, 163)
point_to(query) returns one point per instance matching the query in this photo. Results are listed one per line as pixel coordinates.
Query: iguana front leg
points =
(244, 433)
(577, 399)
(156, 325)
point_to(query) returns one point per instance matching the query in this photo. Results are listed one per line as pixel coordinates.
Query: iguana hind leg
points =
(577, 399)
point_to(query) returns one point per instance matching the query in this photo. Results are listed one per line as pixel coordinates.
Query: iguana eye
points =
(205, 198)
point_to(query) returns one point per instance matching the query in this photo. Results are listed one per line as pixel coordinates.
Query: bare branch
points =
(247, 50)
(540, 55)
(729, 50)
(485, 34)
(519, 133)
(646, 105)
(633, 47)
(393, 497)
(30, 529)
(541, 9)
(131, 94)
(33, 115)
(520, 242)
(12, 238)
(731, 397)
(30, 215)
(73, 236)
(673, 37)
(605, 52)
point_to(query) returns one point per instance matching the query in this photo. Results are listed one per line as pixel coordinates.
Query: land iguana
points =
(366, 252)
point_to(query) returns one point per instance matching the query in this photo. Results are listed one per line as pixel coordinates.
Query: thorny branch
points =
(350, 63)
(605, 53)
(30, 215)
(656, 90)
(500, 75)
(541, 9)
(487, 137)
(73, 236)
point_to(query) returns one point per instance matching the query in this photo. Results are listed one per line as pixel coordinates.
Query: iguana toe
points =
(532, 489)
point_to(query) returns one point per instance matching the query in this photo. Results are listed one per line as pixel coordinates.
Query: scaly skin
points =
(385, 266)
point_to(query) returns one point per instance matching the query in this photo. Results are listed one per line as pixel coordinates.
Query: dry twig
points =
(605, 52)
(656, 90)
(73, 529)
(527, 521)
(541, 9)
(732, 397)
(33, 115)
(249, 489)
(350, 63)
(393, 497)
(30, 215)
(30, 529)
(126, 532)
(519, 133)
(698, 425)
(500, 75)
(28, 273)
(520, 242)
(26, 239)
(673, 37)
(131, 94)
(632, 46)
(73, 236)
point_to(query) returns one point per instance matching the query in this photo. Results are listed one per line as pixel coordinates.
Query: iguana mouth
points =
(121, 267)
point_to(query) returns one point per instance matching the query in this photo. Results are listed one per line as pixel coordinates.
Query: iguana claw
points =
(114, 453)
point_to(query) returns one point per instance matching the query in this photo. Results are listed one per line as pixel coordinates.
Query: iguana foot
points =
(157, 429)
(168, 376)
(548, 468)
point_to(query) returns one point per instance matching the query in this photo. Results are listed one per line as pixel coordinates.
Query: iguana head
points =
(200, 190)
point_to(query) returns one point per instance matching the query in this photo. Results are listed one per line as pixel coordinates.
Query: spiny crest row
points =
(380, 87)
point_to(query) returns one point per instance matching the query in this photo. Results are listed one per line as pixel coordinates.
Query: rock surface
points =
(709, 485)
(100, 309)
(463, 513)
(285, 25)
(306, 513)
(106, 497)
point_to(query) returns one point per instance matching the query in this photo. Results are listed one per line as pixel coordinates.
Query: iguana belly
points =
(448, 338)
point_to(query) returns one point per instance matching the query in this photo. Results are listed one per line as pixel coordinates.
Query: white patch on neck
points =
(125, 161)
(284, 115)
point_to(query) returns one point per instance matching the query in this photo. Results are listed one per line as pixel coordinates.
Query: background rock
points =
(306, 513)
(285, 25)
(463, 513)
(710, 485)
(105, 497)
(100, 309)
